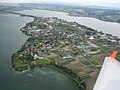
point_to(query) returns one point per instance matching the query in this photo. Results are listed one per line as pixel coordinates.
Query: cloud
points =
(86, 1)
(68, 1)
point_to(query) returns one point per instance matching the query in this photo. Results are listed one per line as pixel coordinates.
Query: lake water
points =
(36, 79)
(106, 27)
(44, 78)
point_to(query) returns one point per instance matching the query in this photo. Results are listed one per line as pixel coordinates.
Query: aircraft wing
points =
(109, 77)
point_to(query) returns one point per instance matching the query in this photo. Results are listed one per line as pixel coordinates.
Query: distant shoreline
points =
(32, 16)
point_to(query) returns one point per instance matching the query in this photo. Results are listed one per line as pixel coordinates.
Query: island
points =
(73, 49)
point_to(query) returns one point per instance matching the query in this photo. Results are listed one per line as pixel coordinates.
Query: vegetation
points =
(42, 62)
(65, 45)
(19, 65)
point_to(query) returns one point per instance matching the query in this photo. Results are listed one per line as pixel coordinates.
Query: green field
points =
(42, 62)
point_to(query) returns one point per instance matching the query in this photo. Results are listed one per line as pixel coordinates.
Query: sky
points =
(111, 3)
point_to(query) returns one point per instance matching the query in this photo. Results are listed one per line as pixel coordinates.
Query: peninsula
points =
(73, 48)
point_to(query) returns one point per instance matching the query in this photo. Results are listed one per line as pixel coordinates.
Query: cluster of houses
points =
(50, 39)
(109, 37)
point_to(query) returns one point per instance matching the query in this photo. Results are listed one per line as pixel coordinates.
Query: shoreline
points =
(76, 80)
(67, 13)
(42, 17)
(81, 25)
(81, 17)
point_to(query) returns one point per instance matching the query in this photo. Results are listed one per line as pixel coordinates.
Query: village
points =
(76, 47)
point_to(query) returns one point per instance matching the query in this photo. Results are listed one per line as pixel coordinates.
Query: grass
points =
(94, 62)
(58, 52)
(118, 56)
(65, 63)
(86, 62)
(87, 76)
(42, 62)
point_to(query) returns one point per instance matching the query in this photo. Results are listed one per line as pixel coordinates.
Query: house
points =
(68, 57)
(91, 37)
